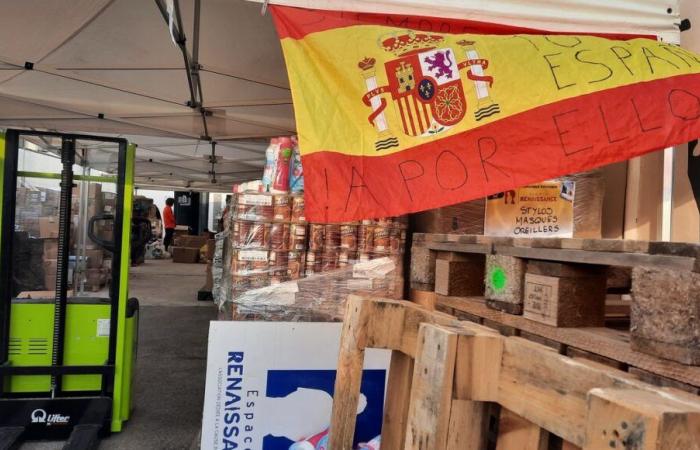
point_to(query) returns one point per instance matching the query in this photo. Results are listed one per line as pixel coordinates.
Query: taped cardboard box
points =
(48, 227)
(185, 254)
(469, 217)
(50, 248)
(190, 241)
(462, 218)
(570, 206)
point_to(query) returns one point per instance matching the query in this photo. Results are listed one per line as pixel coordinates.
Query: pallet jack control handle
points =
(104, 243)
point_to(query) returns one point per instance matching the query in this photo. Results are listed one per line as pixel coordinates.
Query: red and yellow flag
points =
(393, 119)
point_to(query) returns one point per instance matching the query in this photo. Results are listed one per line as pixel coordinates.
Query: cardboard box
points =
(462, 218)
(41, 294)
(209, 283)
(50, 248)
(94, 258)
(48, 227)
(181, 230)
(570, 206)
(211, 247)
(185, 254)
(95, 276)
(50, 268)
(191, 241)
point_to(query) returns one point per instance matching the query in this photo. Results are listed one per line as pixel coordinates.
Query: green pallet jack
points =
(67, 353)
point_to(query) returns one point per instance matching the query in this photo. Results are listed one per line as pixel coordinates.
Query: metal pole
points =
(62, 260)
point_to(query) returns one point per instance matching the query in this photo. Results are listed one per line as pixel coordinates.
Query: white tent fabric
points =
(111, 66)
(648, 17)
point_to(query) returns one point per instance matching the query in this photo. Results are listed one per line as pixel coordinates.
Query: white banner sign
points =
(270, 384)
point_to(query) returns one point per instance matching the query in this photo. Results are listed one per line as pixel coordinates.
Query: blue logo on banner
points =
(281, 383)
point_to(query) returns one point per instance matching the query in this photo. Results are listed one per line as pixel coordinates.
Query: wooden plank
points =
(640, 420)
(396, 404)
(464, 362)
(615, 179)
(461, 315)
(517, 433)
(601, 258)
(612, 344)
(551, 242)
(374, 323)
(478, 363)
(483, 249)
(425, 298)
(685, 220)
(674, 248)
(558, 269)
(349, 374)
(556, 346)
(573, 352)
(431, 389)
(462, 238)
(660, 381)
(468, 429)
(606, 245)
(505, 330)
(644, 197)
(551, 390)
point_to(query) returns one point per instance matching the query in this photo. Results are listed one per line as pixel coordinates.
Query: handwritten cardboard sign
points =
(540, 210)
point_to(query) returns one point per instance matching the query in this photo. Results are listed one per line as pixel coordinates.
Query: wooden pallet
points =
(449, 379)
(665, 283)
(605, 345)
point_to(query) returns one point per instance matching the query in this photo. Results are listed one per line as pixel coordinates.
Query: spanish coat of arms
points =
(425, 85)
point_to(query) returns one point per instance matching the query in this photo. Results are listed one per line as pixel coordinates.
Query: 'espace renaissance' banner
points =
(394, 120)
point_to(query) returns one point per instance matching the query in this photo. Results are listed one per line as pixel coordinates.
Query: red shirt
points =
(168, 217)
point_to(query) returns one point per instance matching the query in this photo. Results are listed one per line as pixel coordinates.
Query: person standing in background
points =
(168, 222)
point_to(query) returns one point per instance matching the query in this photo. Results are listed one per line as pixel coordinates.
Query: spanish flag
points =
(397, 115)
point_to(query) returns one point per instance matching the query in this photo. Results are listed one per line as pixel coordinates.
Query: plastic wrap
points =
(320, 297)
(461, 218)
(269, 243)
(468, 217)
(220, 283)
(588, 203)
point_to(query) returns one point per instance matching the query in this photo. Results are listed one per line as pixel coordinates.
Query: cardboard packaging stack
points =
(205, 293)
(187, 248)
(37, 220)
(578, 202)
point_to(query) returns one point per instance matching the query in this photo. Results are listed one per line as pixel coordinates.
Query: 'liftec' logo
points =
(40, 416)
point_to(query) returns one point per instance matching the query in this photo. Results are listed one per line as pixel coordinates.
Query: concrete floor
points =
(171, 360)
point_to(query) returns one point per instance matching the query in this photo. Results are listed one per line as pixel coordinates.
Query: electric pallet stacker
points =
(66, 356)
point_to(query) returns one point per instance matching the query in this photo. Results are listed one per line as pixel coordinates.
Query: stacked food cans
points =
(333, 246)
(272, 243)
(268, 239)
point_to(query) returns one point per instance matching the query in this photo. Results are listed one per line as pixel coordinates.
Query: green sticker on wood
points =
(498, 278)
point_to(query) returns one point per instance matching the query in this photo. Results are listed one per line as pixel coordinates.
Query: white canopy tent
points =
(112, 66)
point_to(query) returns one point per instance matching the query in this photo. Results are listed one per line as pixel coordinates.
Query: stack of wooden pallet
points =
(459, 385)
(633, 305)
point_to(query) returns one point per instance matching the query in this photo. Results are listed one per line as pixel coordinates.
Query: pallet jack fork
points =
(66, 357)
